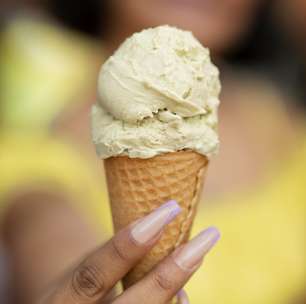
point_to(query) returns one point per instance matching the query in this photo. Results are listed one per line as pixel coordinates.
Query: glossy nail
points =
(191, 254)
(182, 297)
(151, 225)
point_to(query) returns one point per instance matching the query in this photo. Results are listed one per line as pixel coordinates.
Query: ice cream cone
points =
(138, 186)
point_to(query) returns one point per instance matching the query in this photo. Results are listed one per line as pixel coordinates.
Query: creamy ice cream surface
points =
(158, 93)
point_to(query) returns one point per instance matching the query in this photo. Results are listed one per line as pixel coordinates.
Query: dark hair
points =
(263, 50)
(90, 17)
(275, 57)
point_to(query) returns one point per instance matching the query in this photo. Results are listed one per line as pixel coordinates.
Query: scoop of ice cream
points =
(158, 93)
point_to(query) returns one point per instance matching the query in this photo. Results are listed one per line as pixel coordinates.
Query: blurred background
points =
(50, 55)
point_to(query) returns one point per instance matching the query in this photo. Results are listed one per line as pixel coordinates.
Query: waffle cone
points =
(138, 186)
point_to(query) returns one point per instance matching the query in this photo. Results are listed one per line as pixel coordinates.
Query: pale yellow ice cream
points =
(158, 93)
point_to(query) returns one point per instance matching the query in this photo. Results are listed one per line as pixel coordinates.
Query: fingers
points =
(161, 285)
(182, 297)
(96, 276)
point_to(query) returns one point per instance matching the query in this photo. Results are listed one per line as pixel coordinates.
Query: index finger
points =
(168, 277)
(100, 271)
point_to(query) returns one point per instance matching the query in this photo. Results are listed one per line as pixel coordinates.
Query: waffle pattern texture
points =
(138, 186)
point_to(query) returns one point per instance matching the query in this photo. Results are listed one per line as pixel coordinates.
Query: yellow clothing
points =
(40, 161)
(261, 255)
(44, 70)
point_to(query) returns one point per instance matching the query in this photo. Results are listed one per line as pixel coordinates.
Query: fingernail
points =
(192, 253)
(152, 224)
(182, 297)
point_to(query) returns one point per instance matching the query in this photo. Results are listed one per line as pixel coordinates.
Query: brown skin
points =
(30, 223)
(49, 274)
(35, 218)
(292, 16)
(218, 24)
(9, 6)
(243, 160)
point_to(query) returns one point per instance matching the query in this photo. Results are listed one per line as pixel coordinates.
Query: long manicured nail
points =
(191, 254)
(182, 297)
(151, 225)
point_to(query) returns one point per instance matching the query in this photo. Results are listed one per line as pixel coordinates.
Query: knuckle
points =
(119, 251)
(162, 281)
(87, 282)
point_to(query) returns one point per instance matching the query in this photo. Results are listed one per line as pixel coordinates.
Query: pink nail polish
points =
(182, 297)
(191, 254)
(147, 228)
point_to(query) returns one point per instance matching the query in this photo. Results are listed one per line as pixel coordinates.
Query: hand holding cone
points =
(138, 186)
